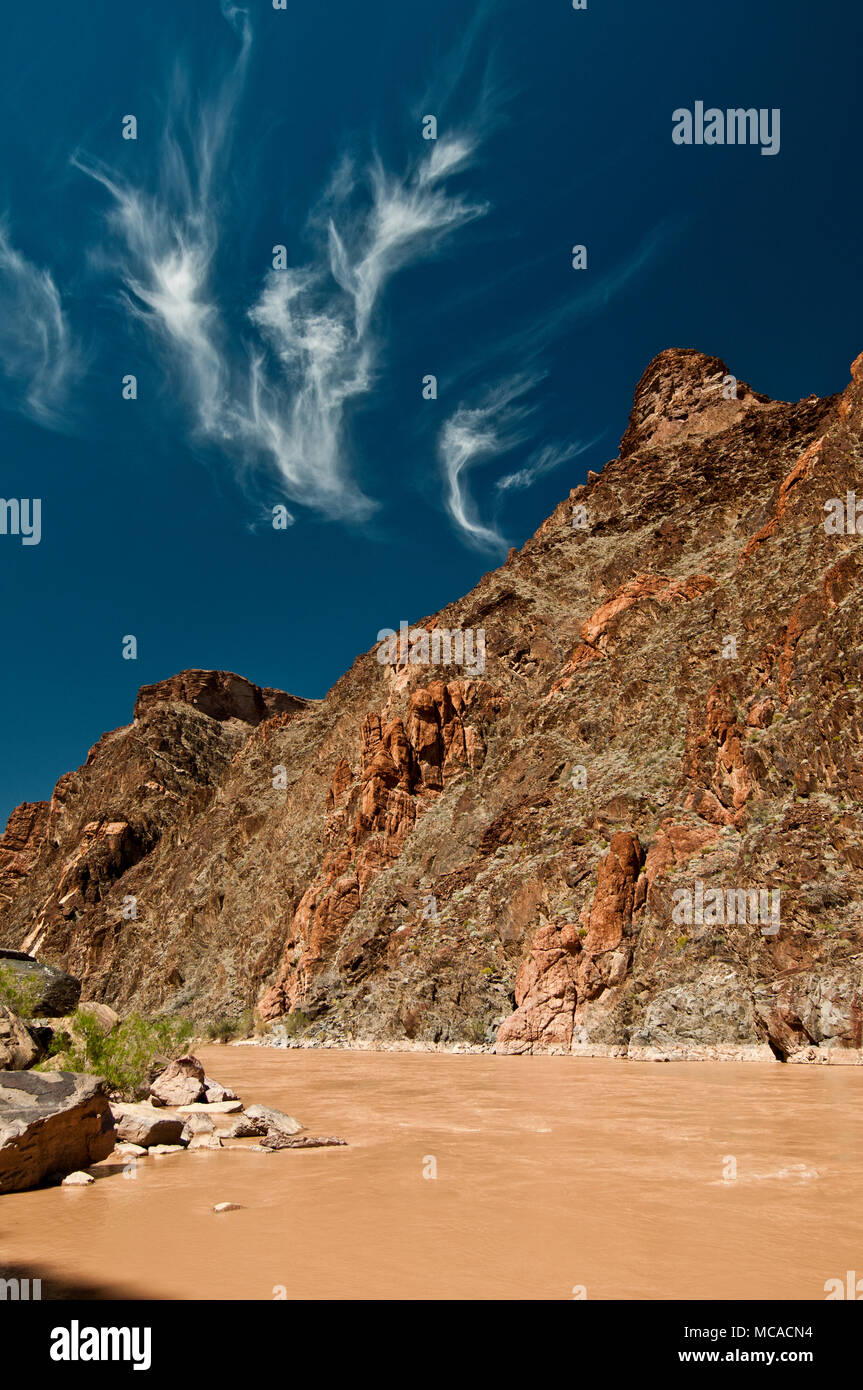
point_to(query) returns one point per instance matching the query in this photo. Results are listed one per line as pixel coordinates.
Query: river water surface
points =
(553, 1175)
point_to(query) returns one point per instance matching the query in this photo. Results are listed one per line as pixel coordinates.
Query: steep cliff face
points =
(71, 869)
(670, 706)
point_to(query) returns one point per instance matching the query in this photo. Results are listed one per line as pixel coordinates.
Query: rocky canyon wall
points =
(670, 705)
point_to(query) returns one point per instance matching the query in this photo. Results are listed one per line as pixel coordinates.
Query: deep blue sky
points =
(156, 512)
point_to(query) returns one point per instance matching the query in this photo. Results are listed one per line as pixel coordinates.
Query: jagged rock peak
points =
(683, 392)
(220, 694)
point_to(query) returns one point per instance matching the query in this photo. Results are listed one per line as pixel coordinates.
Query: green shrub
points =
(126, 1056)
(221, 1029)
(294, 1022)
(475, 1029)
(225, 1028)
(16, 993)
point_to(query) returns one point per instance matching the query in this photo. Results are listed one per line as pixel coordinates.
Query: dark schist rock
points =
(95, 843)
(274, 1140)
(51, 1124)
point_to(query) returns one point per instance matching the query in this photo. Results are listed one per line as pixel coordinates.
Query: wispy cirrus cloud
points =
(281, 387)
(481, 430)
(163, 242)
(317, 321)
(471, 436)
(274, 384)
(474, 435)
(409, 216)
(39, 355)
(543, 461)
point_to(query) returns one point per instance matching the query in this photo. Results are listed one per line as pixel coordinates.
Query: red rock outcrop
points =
(546, 994)
(802, 468)
(219, 694)
(616, 894)
(20, 844)
(396, 767)
(595, 633)
(684, 392)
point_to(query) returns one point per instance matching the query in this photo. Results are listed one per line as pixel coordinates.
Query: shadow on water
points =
(17, 1284)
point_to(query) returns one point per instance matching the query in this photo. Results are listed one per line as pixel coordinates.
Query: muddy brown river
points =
(481, 1177)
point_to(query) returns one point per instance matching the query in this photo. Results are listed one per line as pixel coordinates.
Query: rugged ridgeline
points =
(433, 869)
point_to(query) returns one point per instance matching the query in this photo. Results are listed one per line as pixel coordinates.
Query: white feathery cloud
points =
(316, 322)
(38, 353)
(165, 242)
(471, 436)
(542, 461)
(408, 217)
(447, 155)
(282, 390)
(287, 395)
(504, 419)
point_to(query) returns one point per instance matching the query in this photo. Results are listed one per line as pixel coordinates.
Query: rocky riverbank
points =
(729, 1052)
(54, 1126)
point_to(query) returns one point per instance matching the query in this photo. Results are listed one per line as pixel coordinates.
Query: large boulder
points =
(198, 1124)
(64, 1034)
(215, 1092)
(241, 1127)
(104, 1017)
(49, 993)
(181, 1083)
(51, 1124)
(18, 1048)
(146, 1125)
(274, 1121)
(299, 1141)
